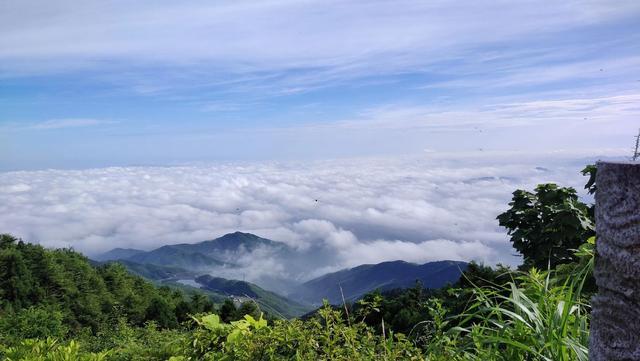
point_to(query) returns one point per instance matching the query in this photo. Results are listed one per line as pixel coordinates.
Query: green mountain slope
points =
(218, 289)
(268, 301)
(63, 284)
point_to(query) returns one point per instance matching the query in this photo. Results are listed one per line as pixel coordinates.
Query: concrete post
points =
(615, 317)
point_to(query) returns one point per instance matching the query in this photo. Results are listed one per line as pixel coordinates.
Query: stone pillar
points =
(615, 316)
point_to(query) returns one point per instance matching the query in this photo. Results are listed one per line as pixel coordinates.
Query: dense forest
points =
(59, 305)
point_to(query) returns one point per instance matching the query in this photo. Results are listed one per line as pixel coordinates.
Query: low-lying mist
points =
(329, 214)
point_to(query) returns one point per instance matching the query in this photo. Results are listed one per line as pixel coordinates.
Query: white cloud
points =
(347, 212)
(16, 188)
(433, 250)
(54, 124)
(614, 110)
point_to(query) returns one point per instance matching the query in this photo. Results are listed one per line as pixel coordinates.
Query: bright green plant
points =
(50, 350)
(129, 343)
(326, 337)
(33, 322)
(548, 225)
(544, 316)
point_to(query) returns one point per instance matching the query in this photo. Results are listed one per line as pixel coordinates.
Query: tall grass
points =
(540, 315)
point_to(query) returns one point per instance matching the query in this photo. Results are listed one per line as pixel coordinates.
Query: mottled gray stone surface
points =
(615, 318)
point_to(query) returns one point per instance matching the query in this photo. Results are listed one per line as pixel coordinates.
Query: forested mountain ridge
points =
(353, 283)
(218, 257)
(218, 289)
(185, 262)
(64, 284)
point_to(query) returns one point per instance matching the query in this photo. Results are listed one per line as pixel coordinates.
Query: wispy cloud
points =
(228, 80)
(541, 69)
(53, 124)
(68, 123)
(616, 110)
(317, 41)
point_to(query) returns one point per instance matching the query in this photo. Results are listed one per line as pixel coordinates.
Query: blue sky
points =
(90, 84)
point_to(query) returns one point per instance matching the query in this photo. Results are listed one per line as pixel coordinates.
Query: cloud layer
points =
(351, 211)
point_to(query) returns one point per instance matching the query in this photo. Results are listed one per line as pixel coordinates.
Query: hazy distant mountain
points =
(117, 253)
(217, 252)
(236, 254)
(231, 256)
(268, 301)
(359, 280)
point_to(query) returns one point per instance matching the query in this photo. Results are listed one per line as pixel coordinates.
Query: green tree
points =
(160, 311)
(183, 310)
(591, 170)
(228, 311)
(201, 303)
(15, 278)
(35, 322)
(6, 240)
(546, 226)
(85, 295)
(248, 308)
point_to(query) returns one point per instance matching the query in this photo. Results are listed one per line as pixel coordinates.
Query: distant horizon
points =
(619, 153)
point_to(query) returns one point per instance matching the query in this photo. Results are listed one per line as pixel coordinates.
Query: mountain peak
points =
(238, 234)
(233, 242)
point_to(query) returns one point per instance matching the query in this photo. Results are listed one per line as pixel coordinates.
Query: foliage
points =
(591, 171)
(125, 342)
(325, 337)
(34, 322)
(53, 292)
(50, 350)
(548, 225)
(403, 309)
(539, 318)
(534, 315)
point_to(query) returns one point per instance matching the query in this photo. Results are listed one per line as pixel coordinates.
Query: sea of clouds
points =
(354, 211)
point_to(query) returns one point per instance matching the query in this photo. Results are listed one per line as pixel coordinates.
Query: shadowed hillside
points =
(357, 281)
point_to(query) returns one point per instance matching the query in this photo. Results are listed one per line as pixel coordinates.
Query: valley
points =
(212, 267)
